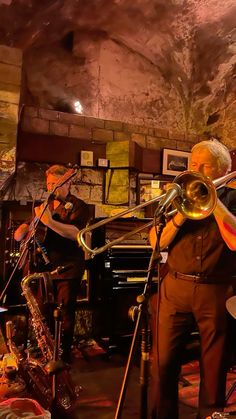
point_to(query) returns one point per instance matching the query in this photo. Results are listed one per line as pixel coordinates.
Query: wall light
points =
(78, 107)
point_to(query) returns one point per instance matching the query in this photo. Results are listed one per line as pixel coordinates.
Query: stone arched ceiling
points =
(166, 63)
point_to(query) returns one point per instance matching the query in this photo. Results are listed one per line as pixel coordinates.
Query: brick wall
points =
(90, 186)
(50, 122)
(44, 121)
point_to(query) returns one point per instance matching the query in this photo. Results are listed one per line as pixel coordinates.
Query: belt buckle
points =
(197, 278)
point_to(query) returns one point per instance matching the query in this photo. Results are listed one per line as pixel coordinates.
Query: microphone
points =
(61, 269)
(172, 193)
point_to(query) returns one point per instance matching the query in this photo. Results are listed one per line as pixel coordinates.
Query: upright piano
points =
(118, 275)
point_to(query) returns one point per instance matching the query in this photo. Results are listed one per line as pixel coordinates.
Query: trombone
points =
(191, 193)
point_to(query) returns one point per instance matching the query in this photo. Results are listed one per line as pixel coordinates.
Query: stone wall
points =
(90, 182)
(10, 85)
(181, 77)
(45, 121)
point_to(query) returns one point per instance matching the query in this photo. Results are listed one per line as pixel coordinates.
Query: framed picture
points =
(149, 187)
(174, 162)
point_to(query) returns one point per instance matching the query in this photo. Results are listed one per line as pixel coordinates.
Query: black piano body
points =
(118, 275)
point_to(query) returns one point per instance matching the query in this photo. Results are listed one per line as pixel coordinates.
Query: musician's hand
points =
(21, 232)
(46, 217)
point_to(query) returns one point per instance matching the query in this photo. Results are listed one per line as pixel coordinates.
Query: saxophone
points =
(64, 394)
(41, 330)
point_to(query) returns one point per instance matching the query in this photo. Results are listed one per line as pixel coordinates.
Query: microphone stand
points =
(141, 312)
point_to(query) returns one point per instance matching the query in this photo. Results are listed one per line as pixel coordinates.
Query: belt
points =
(199, 278)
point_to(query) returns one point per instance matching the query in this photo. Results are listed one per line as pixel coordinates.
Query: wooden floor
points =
(101, 378)
(100, 374)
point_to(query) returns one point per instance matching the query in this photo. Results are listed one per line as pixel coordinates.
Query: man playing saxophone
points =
(201, 265)
(63, 218)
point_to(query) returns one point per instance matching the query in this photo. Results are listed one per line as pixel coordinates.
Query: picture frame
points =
(86, 158)
(149, 187)
(174, 162)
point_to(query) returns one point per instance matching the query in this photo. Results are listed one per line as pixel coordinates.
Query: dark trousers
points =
(66, 292)
(55, 292)
(181, 303)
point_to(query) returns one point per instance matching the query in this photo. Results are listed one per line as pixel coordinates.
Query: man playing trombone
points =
(201, 265)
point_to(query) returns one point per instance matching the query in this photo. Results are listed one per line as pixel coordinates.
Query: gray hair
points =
(218, 150)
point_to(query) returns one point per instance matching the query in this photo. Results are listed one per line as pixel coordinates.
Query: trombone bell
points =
(198, 198)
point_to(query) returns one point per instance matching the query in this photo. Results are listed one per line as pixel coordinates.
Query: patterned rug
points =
(189, 386)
